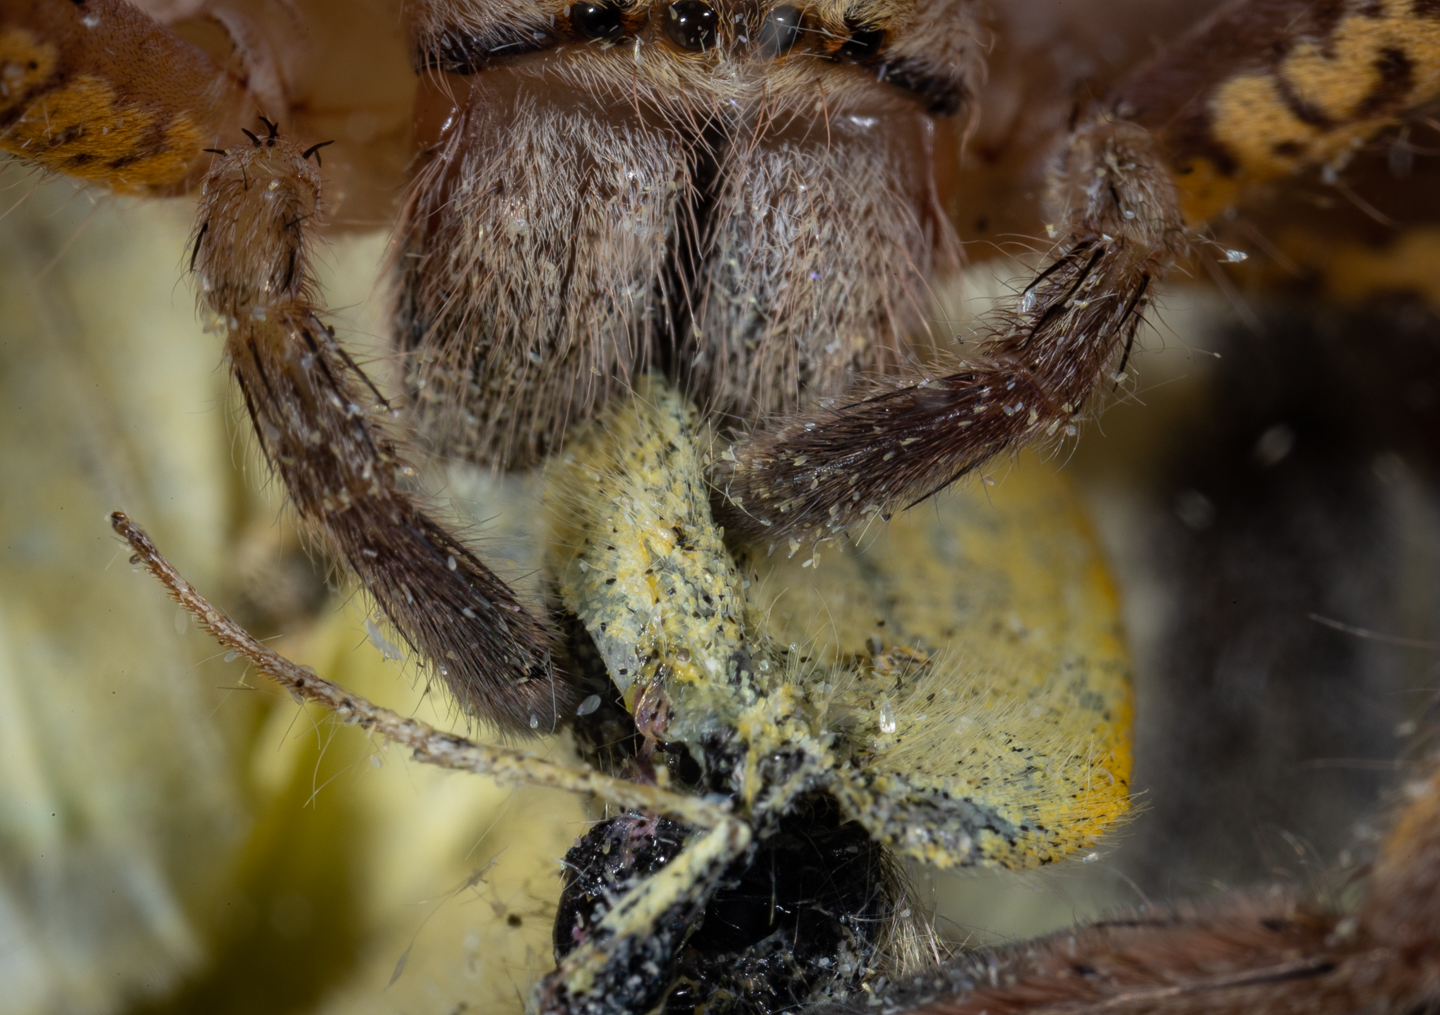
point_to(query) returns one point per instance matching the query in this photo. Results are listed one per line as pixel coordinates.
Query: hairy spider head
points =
(741, 195)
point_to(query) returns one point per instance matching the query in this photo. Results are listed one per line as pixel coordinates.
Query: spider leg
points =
(1403, 907)
(432, 746)
(645, 925)
(103, 92)
(1265, 89)
(322, 427)
(1266, 953)
(812, 476)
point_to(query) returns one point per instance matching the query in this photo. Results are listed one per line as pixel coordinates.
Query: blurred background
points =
(177, 836)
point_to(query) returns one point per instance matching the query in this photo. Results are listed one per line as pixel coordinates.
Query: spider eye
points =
(778, 31)
(602, 21)
(862, 44)
(691, 24)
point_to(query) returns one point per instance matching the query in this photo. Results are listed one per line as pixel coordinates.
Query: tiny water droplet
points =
(887, 718)
(534, 722)
(587, 706)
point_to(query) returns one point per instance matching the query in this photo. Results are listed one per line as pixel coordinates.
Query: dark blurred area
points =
(1299, 497)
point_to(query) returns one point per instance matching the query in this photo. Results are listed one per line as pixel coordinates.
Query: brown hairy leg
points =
(322, 427)
(811, 476)
(1265, 89)
(101, 91)
(431, 746)
(1262, 953)
(593, 972)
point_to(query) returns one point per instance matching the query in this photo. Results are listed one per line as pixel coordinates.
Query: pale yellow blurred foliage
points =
(170, 837)
(119, 804)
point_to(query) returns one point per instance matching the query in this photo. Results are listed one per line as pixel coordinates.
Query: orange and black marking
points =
(1271, 87)
(99, 91)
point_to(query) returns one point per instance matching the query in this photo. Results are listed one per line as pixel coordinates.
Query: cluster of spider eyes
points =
(694, 25)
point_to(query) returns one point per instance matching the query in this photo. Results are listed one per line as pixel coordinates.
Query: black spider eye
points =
(778, 31)
(691, 24)
(598, 20)
(863, 43)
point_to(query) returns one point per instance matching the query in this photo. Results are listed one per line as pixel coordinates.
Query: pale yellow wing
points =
(991, 709)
